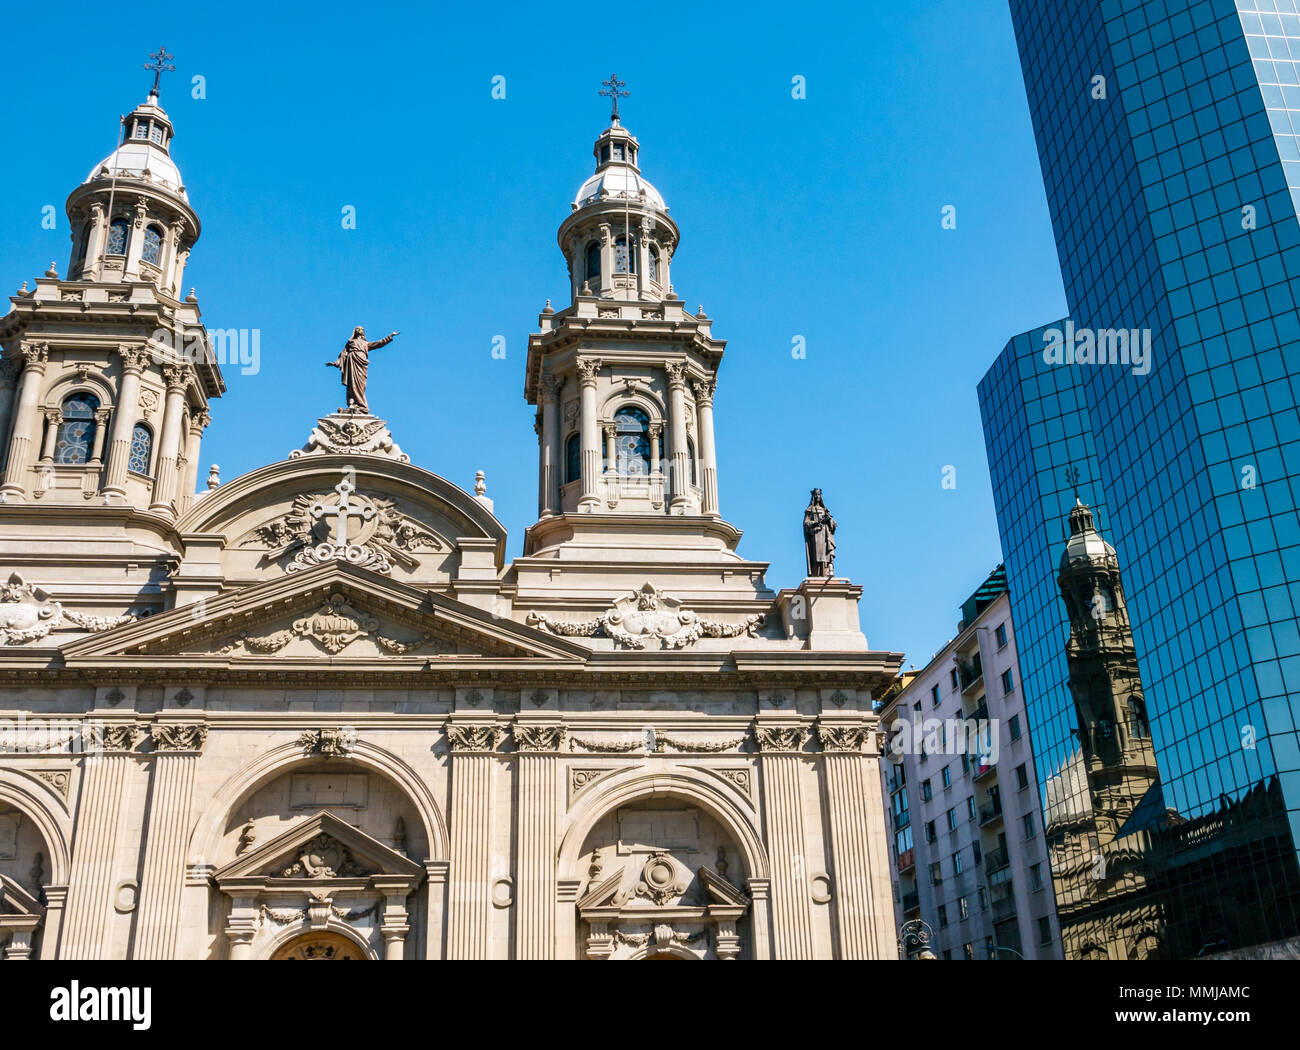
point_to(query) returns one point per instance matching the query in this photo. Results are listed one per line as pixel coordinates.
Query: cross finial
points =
(159, 65)
(1072, 476)
(613, 93)
(343, 510)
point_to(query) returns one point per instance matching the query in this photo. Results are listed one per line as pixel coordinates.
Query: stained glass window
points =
(621, 259)
(76, 435)
(117, 237)
(593, 264)
(141, 449)
(631, 441)
(573, 458)
(152, 250)
(654, 264)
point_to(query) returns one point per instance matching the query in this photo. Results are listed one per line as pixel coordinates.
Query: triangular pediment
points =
(335, 612)
(719, 890)
(322, 847)
(16, 901)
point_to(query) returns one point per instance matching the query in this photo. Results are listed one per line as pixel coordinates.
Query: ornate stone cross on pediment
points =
(343, 510)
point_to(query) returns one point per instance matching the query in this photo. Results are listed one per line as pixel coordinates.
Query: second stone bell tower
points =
(624, 375)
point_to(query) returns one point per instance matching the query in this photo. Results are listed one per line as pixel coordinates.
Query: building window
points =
(152, 250)
(1028, 822)
(1022, 777)
(927, 792)
(956, 863)
(947, 776)
(979, 856)
(1001, 635)
(1137, 718)
(952, 820)
(953, 673)
(117, 231)
(142, 129)
(632, 441)
(983, 893)
(156, 133)
(76, 434)
(936, 872)
(934, 696)
(690, 458)
(573, 458)
(947, 953)
(1035, 876)
(593, 264)
(654, 264)
(965, 763)
(970, 808)
(624, 261)
(943, 916)
(141, 449)
(963, 908)
(1044, 930)
(930, 835)
(1014, 725)
(968, 951)
(1006, 682)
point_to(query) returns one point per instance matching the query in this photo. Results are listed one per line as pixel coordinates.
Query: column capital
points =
(133, 358)
(844, 739)
(544, 739)
(588, 369)
(551, 386)
(179, 737)
(177, 379)
(474, 737)
(676, 375)
(779, 739)
(704, 389)
(200, 421)
(53, 416)
(36, 355)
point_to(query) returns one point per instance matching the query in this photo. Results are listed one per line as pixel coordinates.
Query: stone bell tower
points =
(624, 375)
(107, 373)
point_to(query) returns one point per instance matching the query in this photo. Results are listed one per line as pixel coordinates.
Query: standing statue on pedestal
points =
(354, 363)
(819, 538)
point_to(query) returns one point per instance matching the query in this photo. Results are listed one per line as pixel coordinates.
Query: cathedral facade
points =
(313, 712)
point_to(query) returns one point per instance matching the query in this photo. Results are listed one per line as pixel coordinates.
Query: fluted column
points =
(536, 844)
(704, 389)
(35, 358)
(53, 417)
(94, 846)
(164, 485)
(94, 243)
(469, 919)
(588, 368)
(551, 456)
(9, 373)
(198, 423)
(176, 756)
(124, 418)
(679, 472)
(863, 905)
(783, 813)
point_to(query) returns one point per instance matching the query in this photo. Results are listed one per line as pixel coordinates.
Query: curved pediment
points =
(394, 518)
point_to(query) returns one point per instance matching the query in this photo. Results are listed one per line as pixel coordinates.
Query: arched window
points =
(573, 458)
(654, 264)
(632, 441)
(152, 250)
(117, 231)
(593, 264)
(690, 454)
(76, 435)
(623, 262)
(141, 449)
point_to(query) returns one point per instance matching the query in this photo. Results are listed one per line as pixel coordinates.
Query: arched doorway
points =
(320, 947)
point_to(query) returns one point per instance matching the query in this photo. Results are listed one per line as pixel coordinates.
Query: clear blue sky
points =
(817, 218)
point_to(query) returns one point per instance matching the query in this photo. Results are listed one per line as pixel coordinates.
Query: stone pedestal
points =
(350, 432)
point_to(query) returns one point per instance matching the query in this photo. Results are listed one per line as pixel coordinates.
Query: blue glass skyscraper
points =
(1172, 167)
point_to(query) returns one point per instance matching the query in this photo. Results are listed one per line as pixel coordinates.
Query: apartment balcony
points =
(990, 813)
(996, 860)
(981, 771)
(906, 861)
(969, 674)
(911, 901)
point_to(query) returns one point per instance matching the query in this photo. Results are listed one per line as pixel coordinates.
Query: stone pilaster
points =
(780, 748)
(35, 358)
(176, 756)
(588, 369)
(679, 473)
(854, 805)
(90, 897)
(469, 913)
(124, 418)
(169, 443)
(551, 454)
(704, 389)
(537, 807)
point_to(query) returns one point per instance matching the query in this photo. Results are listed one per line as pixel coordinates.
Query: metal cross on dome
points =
(161, 62)
(344, 510)
(613, 94)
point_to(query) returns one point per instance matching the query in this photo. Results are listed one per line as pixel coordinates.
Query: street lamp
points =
(995, 948)
(914, 940)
